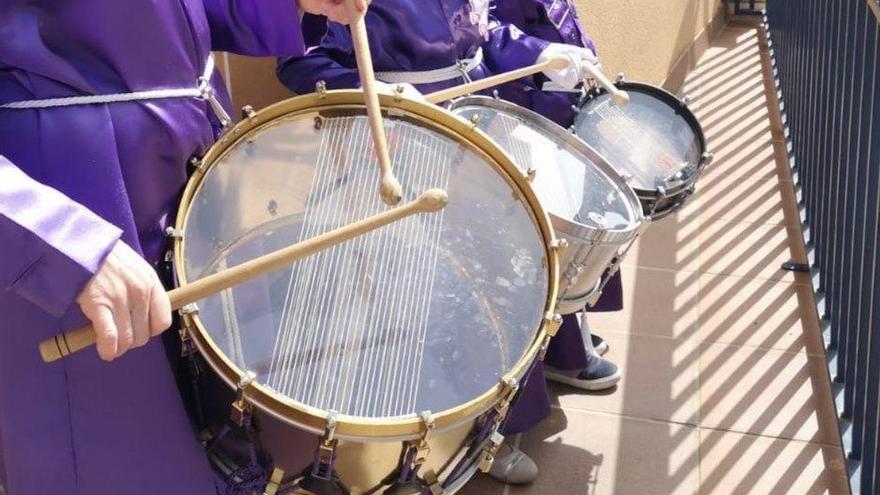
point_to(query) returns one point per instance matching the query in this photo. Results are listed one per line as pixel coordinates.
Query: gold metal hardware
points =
(241, 407)
(321, 89)
(552, 321)
(248, 112)
(491, 451)
(274, 482)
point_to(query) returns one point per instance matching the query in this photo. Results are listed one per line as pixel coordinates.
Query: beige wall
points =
(646, 39)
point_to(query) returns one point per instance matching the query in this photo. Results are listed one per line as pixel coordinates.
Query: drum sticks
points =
(481, 84)
(618, 96)
(389, 187)
(430, 201)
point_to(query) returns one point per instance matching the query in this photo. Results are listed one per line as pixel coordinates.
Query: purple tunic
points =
(73, 181)
(410, 35)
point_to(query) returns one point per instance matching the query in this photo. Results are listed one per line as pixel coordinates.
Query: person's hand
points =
(577, 57)
(403, 89)
(335, 10)
(125, 302)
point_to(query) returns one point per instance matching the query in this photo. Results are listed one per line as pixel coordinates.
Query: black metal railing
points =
(825, 56)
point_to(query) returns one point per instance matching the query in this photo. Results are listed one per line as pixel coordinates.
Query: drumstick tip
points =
(621, 98)
(433, 200)
(390, 190)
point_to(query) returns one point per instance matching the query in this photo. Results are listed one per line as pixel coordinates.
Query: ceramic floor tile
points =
(671, 243)
(762, 313)
(660, 380)
(656, 302)
(598, 454)
(766, 392)
(748, 249)
(730, 198)
(733, 463)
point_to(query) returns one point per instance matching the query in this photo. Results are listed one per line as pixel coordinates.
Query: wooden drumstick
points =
(389, 187)
(618, 96)
(555, 63)
(430, 201)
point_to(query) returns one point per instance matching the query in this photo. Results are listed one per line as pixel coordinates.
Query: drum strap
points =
(202, 90)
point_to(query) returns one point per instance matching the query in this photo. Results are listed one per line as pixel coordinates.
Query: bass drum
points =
(589, 204)
(384, 364)
(655, 142)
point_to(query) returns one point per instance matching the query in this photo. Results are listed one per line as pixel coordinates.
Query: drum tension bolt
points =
(419, 449)
(475, 121)
(553, 321)
(327, 449)
(274, 482)
(321, 89)
(241, 408)
(173, 233)
(491, 451)
(247, 112)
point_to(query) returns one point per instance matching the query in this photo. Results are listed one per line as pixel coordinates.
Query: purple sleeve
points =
(258, 28)
(508, 48)
(329, 58)
(50, 246)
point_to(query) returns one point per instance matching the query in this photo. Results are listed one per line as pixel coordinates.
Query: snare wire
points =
(354, 319)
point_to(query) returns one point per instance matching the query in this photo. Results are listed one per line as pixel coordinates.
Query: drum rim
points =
(564, 225)
(674, 102)
(349, 427)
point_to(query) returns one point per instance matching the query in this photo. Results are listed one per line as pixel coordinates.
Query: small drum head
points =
(426, 314)
(574, 184)
(654, 139)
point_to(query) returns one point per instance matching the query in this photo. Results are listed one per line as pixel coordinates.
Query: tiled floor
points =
(724, 389)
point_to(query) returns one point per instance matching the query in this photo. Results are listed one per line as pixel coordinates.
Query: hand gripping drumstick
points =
(430, 201)
(555, 63)
(389, 188)
(620, 97)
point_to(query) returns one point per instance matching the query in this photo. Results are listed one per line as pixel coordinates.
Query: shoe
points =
(599, 344)
(515, 468)
(600, 374)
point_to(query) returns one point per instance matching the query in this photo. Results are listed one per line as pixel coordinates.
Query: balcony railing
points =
(825, 55)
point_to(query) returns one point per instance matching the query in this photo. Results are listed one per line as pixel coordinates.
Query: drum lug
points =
(173, 233)
(707, 158)
(620, 77)
(685, 100)
(327, 449)
(553, 321)
(530, 174)
(321, 89)
(274, 482)
(475, 121)
(248, 112)
(241, 408)
(491, 451)
(559, 245)
(417, 451)
(195, 163)
(495, 94)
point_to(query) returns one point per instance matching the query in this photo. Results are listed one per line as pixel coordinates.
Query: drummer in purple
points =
(102, 102)
(568, 360)
(433, 45)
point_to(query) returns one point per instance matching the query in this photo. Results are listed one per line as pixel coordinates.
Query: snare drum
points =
(384, 364)
(655, 142)
(590, 205)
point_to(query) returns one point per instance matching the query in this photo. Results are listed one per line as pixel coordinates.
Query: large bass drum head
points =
(427, 314)
(654, 139)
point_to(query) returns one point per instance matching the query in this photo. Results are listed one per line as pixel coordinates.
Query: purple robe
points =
(410, 35)
(73, 180)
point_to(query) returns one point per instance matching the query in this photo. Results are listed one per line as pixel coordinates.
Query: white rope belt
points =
(461, 69)
(203, 90)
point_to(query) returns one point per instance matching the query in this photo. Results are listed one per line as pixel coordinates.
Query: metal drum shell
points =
(347, 427)
(659, 206)
(590, 248)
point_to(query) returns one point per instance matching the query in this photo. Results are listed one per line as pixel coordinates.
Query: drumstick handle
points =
(620, 97)
(389, 187)
(432, 200)
(481, 84)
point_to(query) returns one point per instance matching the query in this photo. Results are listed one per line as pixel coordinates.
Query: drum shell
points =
(585, 261)
(360, 466)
